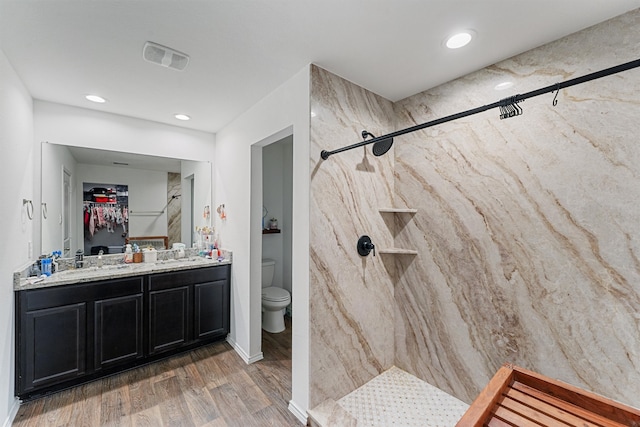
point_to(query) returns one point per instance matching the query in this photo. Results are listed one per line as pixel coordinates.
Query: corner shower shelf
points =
(398, 251)
(397, 210)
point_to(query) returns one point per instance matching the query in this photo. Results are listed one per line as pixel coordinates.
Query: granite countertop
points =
(114, 271)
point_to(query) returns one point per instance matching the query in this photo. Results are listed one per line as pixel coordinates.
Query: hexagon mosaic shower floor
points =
(397, 398)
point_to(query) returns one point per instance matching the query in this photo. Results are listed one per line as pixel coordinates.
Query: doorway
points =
(277, 191)
(272, 197)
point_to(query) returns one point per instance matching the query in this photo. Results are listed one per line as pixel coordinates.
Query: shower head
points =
(381, 147)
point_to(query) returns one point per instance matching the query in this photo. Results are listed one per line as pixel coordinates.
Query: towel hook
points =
(29, 203)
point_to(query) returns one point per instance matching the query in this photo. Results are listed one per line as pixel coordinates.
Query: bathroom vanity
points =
(88, 325)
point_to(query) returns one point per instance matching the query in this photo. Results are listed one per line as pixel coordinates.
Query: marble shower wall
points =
(174, 208)
(528, 229)
(351, 297)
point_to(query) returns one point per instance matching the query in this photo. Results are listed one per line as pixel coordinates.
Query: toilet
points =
(274, 299)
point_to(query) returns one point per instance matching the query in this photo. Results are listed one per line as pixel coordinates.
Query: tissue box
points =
(150, 255)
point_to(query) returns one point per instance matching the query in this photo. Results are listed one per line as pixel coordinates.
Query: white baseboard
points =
(243, 354)
(12, 413)
(298, 412)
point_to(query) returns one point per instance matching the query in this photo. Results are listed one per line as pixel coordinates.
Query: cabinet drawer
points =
(187, 277)
(61, 295)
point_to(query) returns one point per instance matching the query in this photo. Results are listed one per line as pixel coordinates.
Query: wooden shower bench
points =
(518, 397)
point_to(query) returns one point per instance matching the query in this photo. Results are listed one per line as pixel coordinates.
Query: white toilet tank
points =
(268, 270)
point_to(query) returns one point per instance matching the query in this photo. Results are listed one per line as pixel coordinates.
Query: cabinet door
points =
(54, 341)
(117, 330)
(169, 318)
(211, 309)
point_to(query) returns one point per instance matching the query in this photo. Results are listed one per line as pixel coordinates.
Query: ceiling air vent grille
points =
(162, 55)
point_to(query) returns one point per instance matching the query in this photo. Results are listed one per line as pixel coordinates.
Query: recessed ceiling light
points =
(458, 40)
(182, 117)
(503, 85)
(96, 98)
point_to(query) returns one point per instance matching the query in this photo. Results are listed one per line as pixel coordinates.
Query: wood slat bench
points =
(521, 398)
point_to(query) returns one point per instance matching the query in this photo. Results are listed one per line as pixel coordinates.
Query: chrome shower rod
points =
(503, 103)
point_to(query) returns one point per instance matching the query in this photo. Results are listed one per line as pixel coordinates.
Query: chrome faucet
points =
(100, 253)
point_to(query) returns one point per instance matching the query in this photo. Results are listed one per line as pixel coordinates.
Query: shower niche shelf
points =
(397, 210)
(398, 251)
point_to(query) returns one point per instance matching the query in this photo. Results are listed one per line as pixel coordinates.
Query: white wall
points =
(16, 183)
(284, 111)
(66, 125)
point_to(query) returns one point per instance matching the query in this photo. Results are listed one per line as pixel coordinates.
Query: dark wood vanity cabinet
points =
(186, 307)
(118, 333)
(169, 318)
(70, 334)
(50, 357)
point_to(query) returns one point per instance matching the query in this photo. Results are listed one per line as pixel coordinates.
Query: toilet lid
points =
(275, 294)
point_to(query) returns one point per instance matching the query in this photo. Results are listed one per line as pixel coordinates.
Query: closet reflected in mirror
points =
(105, 217)
(164, 197)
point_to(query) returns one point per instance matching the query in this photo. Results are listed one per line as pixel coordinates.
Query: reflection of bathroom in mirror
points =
(164, 195)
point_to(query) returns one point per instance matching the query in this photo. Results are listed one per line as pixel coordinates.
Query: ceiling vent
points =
(162, 55)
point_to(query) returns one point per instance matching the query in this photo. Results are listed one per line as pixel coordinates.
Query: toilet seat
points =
(274, 294)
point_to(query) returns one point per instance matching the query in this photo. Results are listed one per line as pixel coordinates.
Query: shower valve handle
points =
(365, 246)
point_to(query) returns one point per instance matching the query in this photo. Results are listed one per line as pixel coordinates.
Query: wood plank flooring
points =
(210, 386)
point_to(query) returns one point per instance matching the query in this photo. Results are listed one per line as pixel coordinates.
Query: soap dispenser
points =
(128, 253)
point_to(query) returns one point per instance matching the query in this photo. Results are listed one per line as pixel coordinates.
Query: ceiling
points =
(93, 156)
(241, 50)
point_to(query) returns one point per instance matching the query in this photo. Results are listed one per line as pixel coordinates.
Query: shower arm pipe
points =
(502, 103)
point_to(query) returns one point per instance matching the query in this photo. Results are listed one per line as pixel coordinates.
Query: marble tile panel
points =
(174, 208)
(351, 297)
(527, 228)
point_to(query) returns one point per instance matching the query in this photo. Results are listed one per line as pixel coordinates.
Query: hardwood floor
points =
(210, 386)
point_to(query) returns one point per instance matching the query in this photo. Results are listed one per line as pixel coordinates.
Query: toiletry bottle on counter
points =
(46, 266)
(128, 253)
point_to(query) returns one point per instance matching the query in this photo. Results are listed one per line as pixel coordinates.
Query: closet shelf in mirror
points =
(397, 210)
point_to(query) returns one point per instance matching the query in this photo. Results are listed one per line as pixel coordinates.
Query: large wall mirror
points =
(165, 197)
